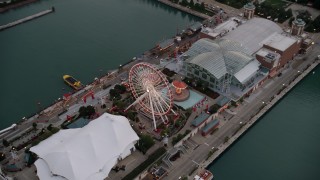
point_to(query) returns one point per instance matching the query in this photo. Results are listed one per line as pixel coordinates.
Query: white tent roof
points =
(89, 152)
(43, 171)
(248, 71)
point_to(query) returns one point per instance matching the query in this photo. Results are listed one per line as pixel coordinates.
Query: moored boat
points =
(75, 84)
(204, 175)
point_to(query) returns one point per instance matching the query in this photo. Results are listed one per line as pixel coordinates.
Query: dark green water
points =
(284, 144)
(82, 38)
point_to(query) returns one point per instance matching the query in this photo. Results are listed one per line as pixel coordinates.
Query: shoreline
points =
(185, 9)
(268, 106)
(57, 102)
(16, 5)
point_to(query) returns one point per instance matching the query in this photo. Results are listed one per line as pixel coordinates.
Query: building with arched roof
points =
(253, 32)
(219, 64)
(240, 59)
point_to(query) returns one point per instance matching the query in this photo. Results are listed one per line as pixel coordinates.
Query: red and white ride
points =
(151, 90)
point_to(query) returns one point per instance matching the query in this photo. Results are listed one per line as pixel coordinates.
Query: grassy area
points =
(279, 3)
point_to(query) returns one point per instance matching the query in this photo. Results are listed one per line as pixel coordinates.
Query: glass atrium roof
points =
(218, 57)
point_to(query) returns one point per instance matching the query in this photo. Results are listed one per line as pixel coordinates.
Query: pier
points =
(184, 9)
(268, 105)
(28, 18)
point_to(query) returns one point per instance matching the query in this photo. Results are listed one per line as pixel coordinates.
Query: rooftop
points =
(299, 22)
(218, 57)
(251, 33)
(196, 26)
(249, 5)
(264, 53)
(247, 72)
(85, 153)
(279, 41)
(166, 43)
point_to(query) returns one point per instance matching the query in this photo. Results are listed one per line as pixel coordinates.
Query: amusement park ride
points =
(151, 90)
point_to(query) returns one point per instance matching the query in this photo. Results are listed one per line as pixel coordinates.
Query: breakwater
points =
(185, 9)
(28, 18)
(267, 106)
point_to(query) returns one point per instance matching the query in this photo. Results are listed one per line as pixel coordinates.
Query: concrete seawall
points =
(28, 18)
(255, 118)
(185, 9)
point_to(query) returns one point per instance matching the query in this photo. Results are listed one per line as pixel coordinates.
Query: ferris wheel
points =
(151, 90)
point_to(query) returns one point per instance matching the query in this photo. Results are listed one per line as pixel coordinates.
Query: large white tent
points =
(87, 153)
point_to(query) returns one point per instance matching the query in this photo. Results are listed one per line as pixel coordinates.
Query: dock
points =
(261, 112)
(28, 18)
(184, 9)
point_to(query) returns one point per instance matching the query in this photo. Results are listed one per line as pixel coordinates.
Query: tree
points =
(86, 111)
(191, 4)
(49, 127)
(5, 143)
(233, 104)
(2, 156)
(34, 125)
(202, 6)
(184, 3)
(120, 88)
(131, 115)
(145, 142)
(120, 104)
(114, 94)
(316, 4)
(214, 108)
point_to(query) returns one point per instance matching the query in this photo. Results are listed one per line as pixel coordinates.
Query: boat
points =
(75, 84)
(204, 175)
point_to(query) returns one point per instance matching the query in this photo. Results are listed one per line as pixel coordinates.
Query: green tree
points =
(184, 178)
(120, 88)
(120, 104)
(49, 127)
(86, 111)
(184, 3)
(316, 4)
(131, 115)
(202, 6)
(191, 4)
(214, 108)
(114, 94)
(145, 142)
(2, 156)
(5, 143)
(34, 125)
